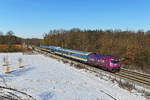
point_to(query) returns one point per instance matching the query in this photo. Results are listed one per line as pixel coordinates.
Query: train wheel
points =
(104, 68)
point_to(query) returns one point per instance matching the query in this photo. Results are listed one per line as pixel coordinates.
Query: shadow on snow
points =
(18, 72)
(46, 96)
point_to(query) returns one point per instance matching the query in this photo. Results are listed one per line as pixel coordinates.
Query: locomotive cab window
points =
(114, 60)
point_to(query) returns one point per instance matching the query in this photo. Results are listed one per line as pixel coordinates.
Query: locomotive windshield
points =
(114, 60)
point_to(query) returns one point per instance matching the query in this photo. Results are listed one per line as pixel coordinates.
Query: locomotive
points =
(110, 63)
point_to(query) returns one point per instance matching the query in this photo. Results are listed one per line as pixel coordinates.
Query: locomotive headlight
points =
(111, 64)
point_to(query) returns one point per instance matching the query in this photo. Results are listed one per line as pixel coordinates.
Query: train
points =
(110, 63)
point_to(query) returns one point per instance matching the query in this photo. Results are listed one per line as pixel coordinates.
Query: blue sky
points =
(31, 18)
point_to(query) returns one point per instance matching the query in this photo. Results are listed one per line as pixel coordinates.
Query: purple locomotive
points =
(110, 63)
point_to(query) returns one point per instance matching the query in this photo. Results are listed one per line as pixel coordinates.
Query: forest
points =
(132, 47)
(9, 42)
(9, 38)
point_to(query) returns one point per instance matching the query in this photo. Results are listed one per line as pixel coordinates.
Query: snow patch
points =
(48, 79)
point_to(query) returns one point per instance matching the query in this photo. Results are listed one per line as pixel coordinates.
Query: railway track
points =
(140, 78)
(132, 76)
(145, 76)
(7, 93)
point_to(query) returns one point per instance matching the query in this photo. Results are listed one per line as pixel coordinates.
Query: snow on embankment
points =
(47, 79)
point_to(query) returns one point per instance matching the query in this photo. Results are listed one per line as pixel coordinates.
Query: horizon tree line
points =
(133, 46)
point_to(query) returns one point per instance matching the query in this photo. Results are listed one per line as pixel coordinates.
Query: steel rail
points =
(147, 76)
(13, 96)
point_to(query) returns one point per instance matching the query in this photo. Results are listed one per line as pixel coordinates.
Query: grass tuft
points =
(78, 66)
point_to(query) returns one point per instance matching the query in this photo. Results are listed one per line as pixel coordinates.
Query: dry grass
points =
(71, 64)
(125, 85)
(65, 61)
(113, 80)
(78, 66)
(53, 57)
(13, 48)
(147, 95)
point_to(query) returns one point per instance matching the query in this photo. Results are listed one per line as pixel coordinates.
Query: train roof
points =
(69, 50)
(96, 55)
(77, 51)
(53, 47)
(44, 46)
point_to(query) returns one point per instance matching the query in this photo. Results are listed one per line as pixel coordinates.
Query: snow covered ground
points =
(45, 78)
